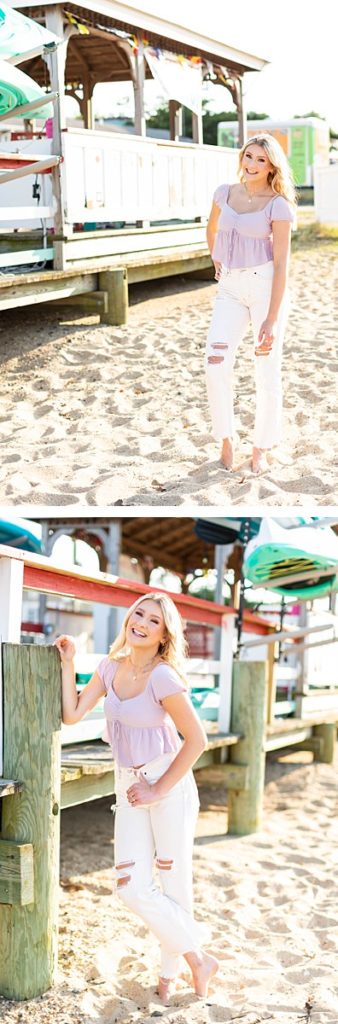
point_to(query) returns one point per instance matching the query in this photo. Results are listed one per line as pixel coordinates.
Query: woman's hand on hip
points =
(218, 269)
(66, 647)
(266, 337)
(141, 793)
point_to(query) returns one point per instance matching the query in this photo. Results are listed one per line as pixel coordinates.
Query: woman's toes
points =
(260, 462)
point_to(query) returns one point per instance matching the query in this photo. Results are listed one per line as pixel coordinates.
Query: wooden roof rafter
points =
(109, 27)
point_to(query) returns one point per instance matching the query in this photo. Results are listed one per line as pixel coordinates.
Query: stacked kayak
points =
(19, 533)
(20, 36)
(17, 90)
(277, 553)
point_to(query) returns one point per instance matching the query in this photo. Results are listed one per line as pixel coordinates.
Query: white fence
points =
(126, 178)
(111, 178)
(326, 194)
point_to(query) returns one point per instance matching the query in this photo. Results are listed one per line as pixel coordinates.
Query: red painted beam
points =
(120, 594)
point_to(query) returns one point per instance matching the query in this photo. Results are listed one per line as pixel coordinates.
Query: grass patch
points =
(308, 236)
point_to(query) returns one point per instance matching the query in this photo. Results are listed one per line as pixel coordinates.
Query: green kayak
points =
(276, 553)
(17, 89)
(20, 37)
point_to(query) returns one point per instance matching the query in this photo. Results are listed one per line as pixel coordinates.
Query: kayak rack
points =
(299, 577)
(291, 635)
(33, 105)
(22, 165)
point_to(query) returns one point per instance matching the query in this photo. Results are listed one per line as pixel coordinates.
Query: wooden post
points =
(28, 933)
(225, 677)
(248, 719)
(87, 103)
(11, 589)
(138, 85)
(11, 585)
(302, 683)
(197, 128)
(115, 283)
(271, 669)
(327, 732)
(242, 127)
(175, 120)
(56, 62)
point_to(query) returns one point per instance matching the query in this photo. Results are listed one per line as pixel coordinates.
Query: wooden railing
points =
(21, 571)
(111, 181)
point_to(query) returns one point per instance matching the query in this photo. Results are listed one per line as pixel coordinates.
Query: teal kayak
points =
(276, 553)
(21, 36)
(17, 89)
(20, 533)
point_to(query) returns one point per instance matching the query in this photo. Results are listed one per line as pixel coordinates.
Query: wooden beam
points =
(28, 934)
(51, 288)
(16, 873)
(10, 786)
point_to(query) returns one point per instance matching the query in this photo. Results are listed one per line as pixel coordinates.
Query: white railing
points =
(114, 178)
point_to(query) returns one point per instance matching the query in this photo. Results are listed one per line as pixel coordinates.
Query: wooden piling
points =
(248, 718)
(327, 733)
(115, 283)
(32, 720)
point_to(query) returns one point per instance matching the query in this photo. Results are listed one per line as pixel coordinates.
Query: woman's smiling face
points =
(145, 627)
(256, 164)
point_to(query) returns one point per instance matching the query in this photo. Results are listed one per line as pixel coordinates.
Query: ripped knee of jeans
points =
(123, 879)
(218, 345)
(164, 865)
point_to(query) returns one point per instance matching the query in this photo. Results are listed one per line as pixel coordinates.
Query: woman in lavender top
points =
(148, 710)
(249, 239)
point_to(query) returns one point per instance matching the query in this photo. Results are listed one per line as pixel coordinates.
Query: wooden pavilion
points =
(120, 207)
(97, 49)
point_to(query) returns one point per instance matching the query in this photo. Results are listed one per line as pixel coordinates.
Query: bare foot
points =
(227, 455)
(203, 968)
(165, 988)
(260, 462)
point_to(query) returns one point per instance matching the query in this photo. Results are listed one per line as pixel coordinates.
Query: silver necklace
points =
(260, 195)
(139, 671)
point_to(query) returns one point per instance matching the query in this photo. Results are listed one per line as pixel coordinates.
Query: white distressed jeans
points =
(243, 296)
(165, 831)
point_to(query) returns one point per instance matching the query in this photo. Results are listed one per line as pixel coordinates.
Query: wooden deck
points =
(101, 265)
(87, 769)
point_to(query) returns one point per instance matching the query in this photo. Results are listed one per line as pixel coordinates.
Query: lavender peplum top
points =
(245, 239)
(138, 728)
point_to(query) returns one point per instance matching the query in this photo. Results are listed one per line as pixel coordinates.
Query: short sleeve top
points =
(245, 239)
(138, 728)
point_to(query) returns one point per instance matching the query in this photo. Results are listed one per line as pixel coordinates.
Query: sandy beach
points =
(97, 415)
(269, 899)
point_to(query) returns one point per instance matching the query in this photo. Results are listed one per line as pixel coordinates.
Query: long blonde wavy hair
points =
(173, 650)
(280, 178)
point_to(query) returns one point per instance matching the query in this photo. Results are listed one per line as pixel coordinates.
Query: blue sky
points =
(300, 40)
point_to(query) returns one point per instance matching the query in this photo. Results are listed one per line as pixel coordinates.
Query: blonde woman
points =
(147, 706)
(249, 240)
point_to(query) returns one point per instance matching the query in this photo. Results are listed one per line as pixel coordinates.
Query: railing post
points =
(11, 588)
(248, 719)
(30, 819)
(225, 675)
